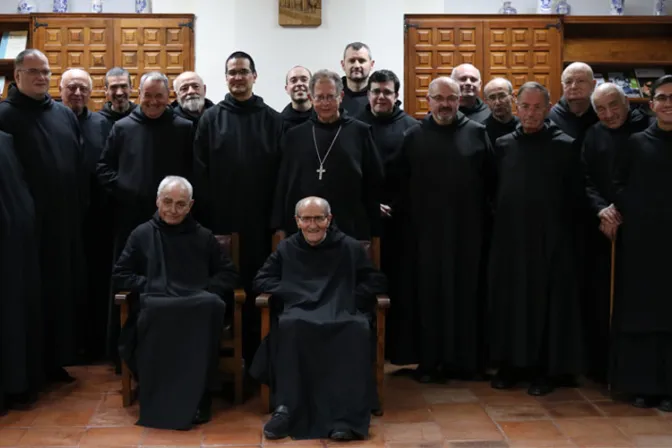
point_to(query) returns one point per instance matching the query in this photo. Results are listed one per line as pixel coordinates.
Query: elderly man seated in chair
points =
(181, 278)
(318, 359)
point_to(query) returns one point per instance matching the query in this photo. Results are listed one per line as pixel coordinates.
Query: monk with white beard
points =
(191, 101)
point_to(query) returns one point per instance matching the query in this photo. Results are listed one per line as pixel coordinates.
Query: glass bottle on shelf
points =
(507, 8)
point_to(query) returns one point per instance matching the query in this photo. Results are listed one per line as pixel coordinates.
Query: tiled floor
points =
(467, 415)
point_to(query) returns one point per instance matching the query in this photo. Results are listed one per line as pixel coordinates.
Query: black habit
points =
(642, 351)
(449, 179)
(194, 118)
(318, 359)
(352, 178)
(354, 102)
(479, 112)
(138, 154)
(598, 153)
(112, 115)
(237, 152)
(496, 128)
(293, 117)
(171, 341)
(47, 141)
(21, 325)
(533, 282)
(571, 124)
(388, 134)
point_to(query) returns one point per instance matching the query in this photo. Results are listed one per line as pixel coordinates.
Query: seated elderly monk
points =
(318, 358)
(171, 340)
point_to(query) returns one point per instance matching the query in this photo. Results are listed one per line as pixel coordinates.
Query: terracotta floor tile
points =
(540, 432)
(115, 417)
(11, 436)
(571, 409)
(517, 412)
(238, 417)
(232, 434)
(290, 443)
(455, 411)
(412, 432)
(600, 441)
(407, 416)
(405, 399)
(376, 439)
(618, 409)
(638, 426)
(649, 441)
(56, 417)
(586, 427)
(483, 389)
(477, 444)
(111, 437)
(562, 394)
(462, 430)
(52, 437)
(437, 396)
(414, 445)
(161, 437)
(595, 393)
(510, 399)
(542, 444)
(20, 418)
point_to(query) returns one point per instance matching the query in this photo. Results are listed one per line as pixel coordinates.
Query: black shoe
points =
(540, 387)
(60, 375)
(644, 402)
(665, 405)
(278, 426)
(342, 435)
(504, 379)
(424, 375)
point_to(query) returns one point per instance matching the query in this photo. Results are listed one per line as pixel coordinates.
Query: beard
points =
(193, 104)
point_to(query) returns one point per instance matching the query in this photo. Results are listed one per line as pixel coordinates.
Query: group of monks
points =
(499, 228)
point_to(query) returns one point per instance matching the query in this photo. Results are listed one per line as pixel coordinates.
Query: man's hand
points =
(609, 230)
(280, 234)
(610, 215)
(385, 211)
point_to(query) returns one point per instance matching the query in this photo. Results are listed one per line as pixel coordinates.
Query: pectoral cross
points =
(321, 171)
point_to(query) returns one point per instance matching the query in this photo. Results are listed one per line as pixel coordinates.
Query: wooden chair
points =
(232, 336)
(383, 304)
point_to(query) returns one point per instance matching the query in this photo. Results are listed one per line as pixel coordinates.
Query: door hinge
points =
(409, 25)
(555, 25)
(189, 24)
(39, 24)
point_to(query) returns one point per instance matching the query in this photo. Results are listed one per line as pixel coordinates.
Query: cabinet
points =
(11, 22)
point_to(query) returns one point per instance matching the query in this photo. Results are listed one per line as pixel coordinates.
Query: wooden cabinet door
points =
(524, 50)
(144, 44)
(434, 46)
(76, 43)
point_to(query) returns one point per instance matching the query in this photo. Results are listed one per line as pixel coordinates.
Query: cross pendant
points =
(321, 171)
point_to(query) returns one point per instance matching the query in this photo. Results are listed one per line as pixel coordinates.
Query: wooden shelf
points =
(6, 65)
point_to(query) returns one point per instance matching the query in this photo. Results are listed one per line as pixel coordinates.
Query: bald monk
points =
(471, 105)
(191, 101)
(300, 108)
(448, 179)
(499, 98)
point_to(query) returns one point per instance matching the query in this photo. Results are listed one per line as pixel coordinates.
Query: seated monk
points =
(171, 339)
(318, 359)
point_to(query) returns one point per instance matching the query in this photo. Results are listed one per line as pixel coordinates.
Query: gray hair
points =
(313, 199)
(328, 75)
(533, 85)
(173, 180)
(18, 60)
(177, 82)
(154, 76)
(77, 70)
(606, 88)
(495, 80)
(453, 73)
(117, 71)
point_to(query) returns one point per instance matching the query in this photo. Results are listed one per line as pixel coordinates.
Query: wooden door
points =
(524, 50)
(76, 43)
(144, 45)
(433, 47)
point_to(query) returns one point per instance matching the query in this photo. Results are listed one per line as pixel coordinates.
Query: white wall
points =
(223, 26)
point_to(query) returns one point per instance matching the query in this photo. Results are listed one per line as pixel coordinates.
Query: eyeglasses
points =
(36, 72)
(316, 219)
(441, 99)
(498, 97)
(241, 72)
(662, 98)
(73, 88)
(384, 92)
(324, 99)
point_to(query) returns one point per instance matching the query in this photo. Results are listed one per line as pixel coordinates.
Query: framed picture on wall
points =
(300, 12)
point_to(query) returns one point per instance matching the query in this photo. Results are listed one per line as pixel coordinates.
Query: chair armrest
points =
(121, 297)
(239, 295)
(383, 301)
(263, 300)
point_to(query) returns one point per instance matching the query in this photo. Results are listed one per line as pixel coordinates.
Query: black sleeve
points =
(129, 272)
(622, 163)
(596, 201)
(107, 169)
(369, 281)
(200, 168)
(373, 177)
(269, 276)
(489, 171)
(223, 274)
(278, 214)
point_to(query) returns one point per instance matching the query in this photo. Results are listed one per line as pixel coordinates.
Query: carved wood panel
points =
(433, 48)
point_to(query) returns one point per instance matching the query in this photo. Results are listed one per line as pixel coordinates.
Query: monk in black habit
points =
(388, 125)
(448, 180)
(181, 278)
(534, 304)
(642, 328)
(191, 102)
(331, 156)
(47, 142)
(143, 148)
(318, 358)
(237, 151)
(21, 325)
(616, 124)
(357, 63)
(300, 108)
(471, 105)
(499, 98)
(76, 86)
(118, 88)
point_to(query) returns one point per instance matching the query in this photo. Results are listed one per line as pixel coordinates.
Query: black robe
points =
(642, 352)
(138, 154)
(113, 116)
(388, 135)
(571, 124)
(188, 115)
(47, 141)
(21, 352)
(598, 153)
(293, 117)
(319, 358)
(237, 155)
(449, 179)
(354, 102)
(171, 341)
(496, 128)
(533, 281)
(97, 236)
(478, 113)
(352, 180)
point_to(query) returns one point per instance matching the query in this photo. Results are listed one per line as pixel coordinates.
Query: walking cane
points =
(611, 291)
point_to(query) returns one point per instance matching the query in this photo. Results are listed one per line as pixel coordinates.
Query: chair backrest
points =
(231, 246)
(372, 248)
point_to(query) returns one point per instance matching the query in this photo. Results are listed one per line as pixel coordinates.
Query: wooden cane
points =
(612, 280)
